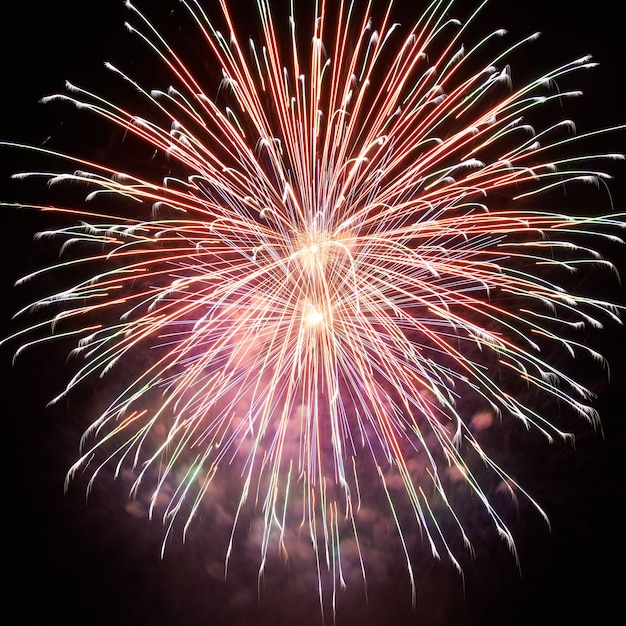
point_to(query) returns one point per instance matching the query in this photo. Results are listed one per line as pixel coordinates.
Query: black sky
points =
(74, 564)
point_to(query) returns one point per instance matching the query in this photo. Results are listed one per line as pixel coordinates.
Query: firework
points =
(348, 244)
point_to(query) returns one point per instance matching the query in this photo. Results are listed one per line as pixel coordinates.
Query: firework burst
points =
(348, 245)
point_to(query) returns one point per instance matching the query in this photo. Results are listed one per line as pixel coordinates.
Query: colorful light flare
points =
(351, 239)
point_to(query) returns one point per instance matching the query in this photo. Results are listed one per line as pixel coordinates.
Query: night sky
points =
(98, 563)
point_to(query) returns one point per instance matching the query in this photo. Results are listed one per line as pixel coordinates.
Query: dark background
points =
(76, 563)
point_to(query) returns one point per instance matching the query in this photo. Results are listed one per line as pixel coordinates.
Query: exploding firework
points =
(347, 247)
